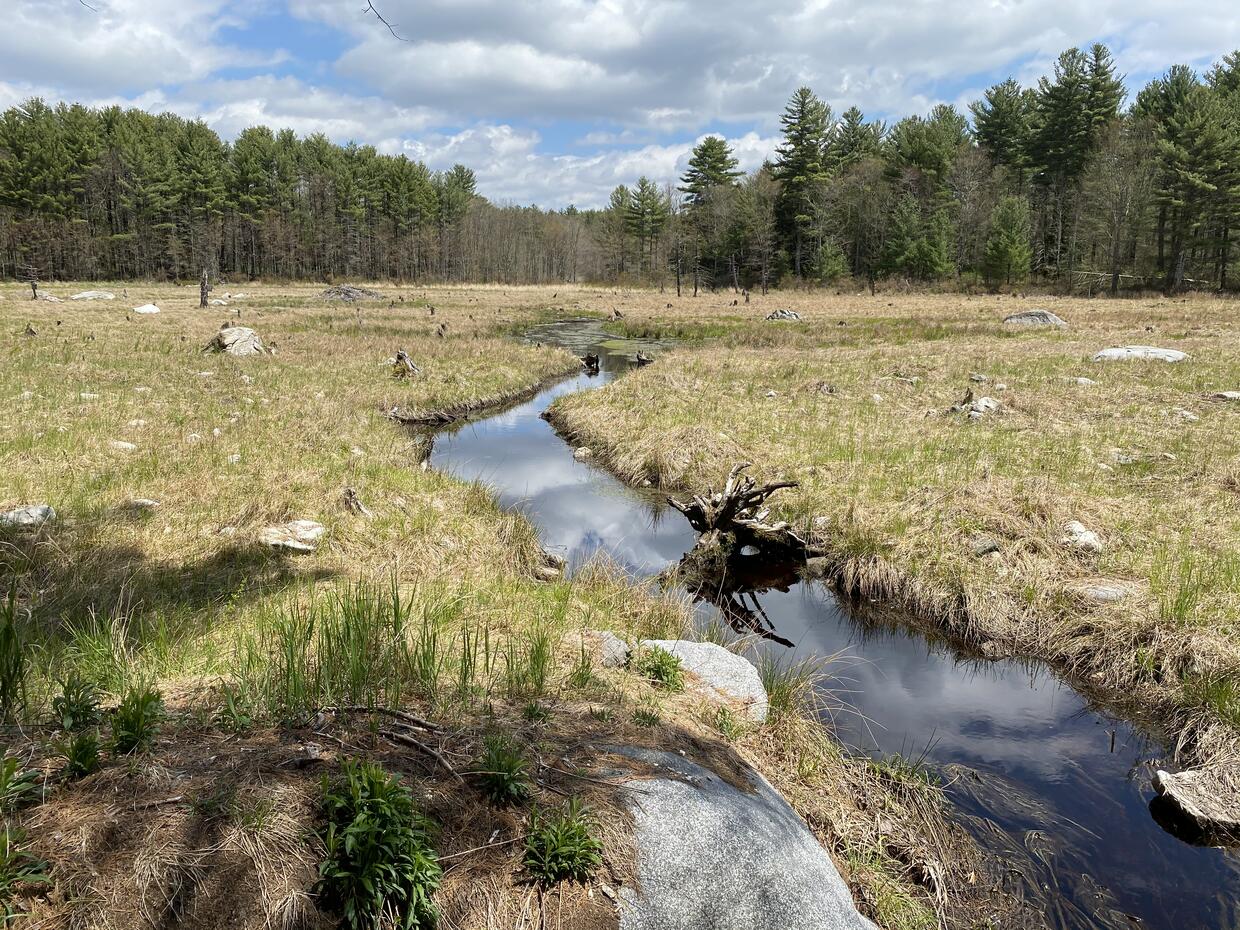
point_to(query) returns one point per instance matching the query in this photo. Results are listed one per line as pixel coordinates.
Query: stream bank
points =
(1040, 775)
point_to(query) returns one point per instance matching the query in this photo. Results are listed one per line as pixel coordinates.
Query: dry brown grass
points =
(852, 402)
(172, 596)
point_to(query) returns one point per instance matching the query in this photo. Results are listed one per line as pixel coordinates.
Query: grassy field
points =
(964, 520)
(430, 601)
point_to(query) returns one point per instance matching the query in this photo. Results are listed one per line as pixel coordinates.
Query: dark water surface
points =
(1042, 779)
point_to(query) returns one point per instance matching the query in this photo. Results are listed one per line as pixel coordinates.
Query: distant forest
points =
(1062, 185)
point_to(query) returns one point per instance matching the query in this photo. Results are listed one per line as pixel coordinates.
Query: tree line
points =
(1061, 183)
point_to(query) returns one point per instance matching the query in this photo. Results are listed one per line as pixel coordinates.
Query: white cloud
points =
(623, 87)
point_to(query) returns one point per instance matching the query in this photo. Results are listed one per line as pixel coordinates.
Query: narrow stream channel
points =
(1055, 788)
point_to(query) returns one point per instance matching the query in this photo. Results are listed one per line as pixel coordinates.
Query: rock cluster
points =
(346, 292)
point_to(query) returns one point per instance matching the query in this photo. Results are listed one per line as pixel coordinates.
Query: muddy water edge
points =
(1051, 784)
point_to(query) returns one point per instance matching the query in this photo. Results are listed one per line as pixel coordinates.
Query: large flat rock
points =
(711, 856)
(1140, 353)
(1035, 318)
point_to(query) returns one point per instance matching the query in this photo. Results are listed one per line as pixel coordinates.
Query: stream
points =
(1055, 788)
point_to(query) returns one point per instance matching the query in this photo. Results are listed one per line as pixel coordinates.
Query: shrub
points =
(380, 865)
(503, 774)
(661, 667)
(77, 705)
(646, 717)
(136, 721)
(18, 867)
(562, 846)
(81, 752)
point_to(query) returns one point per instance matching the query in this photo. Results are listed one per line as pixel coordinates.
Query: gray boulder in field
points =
(1035, 318)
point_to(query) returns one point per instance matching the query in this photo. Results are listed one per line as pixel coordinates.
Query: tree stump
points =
(403, 366)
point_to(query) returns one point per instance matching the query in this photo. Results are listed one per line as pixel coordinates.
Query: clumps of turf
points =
(562, 846)
(380, 867)
(136, 721)
(660, 667)
(503, 772)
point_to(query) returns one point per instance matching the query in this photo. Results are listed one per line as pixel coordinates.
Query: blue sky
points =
(557, 101)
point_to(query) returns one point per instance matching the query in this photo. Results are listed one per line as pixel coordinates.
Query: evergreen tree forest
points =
(1067, 185)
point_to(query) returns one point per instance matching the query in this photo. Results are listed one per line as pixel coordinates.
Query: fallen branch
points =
(405, 739)
(737, 505)
(401, 715)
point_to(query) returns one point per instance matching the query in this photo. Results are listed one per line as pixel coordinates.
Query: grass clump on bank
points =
(561, 846)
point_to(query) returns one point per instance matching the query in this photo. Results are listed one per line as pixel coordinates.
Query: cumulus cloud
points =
(557, 101)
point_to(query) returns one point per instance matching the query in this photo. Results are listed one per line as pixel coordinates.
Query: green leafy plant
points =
(380, 867)
(136, 722)
(18, 867)
(19, 787)
(81, 752)
(535, 712)
(562, 846)
(582, 673)
(646, 717)
(503, 773)
(77, 705)
(661, 667)
(729, 725)
(233, 716)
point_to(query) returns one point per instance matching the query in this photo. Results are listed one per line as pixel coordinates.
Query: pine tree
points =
(800, 167)
(711, 165)
(1001, 123)
(1007, 247)
(852, 140)
(647, 215)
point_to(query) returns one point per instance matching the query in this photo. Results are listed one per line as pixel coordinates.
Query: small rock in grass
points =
(606, 648)
(979, 378)
(772, 393)
(136, 424)
(1187, 415)
(294, 536)
(234, 459)
(1079, 537)
(121, 446)
(193, 438)
(143, 505)
(140, 389)
(28, 515)
(94, 295)
(582, 453)
(217, 302)
(1226, 395)
(1084, 382)
(982, 545)
(237, 340)
(86, 395)
(1140, 353)
(877, 398)
(146, 309)
(783, 314)
(1037, 317)
(1105, 592)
